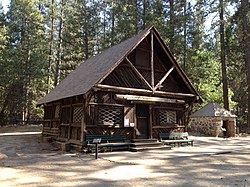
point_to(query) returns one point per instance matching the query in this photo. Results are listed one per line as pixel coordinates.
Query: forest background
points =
(42, 41)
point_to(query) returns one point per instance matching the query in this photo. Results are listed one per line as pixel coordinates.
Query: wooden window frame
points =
(110, 108)
(168, 122)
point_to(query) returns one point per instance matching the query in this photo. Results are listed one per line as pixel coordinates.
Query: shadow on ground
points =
(28, 161)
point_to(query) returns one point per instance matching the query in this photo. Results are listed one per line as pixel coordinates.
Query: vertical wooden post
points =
(135, 122)
(150, 122)
(70, 119)
(152, 85)
(60, 119)
(83, 121)
(152, 60)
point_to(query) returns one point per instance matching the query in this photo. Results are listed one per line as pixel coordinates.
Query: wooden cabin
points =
(135, 88)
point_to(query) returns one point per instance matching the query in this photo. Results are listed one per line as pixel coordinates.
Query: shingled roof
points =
(90, 72)
(212, 110)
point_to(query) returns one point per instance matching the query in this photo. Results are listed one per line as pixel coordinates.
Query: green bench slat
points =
(110, 144)
(177, 140)
(90, 138)
(108, 141)
(175, 137)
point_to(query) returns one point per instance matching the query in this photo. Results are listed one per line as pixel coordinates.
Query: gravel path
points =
(27, 161)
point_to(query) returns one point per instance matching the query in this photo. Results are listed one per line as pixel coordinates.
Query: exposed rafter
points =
(124, 56)
(139, 74)
(174, 64)
(152, 60)
(163, 78)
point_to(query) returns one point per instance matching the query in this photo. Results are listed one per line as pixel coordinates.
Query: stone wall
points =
(207, 125)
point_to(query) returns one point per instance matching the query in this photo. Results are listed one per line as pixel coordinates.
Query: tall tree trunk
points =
(59, 47)
(26, 84)
(85, 28)
(136, 16)
(104, 27)
(4, 106)
(51, 46)
(171, 29)
(86, 41)
(144, 14)
(113, 23)
(223, 58)
(246, 42)
(185, 36)
(25, 70)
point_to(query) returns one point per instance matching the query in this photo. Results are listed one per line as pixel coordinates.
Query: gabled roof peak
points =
(96, 68)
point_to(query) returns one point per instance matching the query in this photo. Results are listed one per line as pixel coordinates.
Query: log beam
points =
(147, 98)
(152, 60)
(139, 74)
(163, 79)
(184, 78)
(141, 91)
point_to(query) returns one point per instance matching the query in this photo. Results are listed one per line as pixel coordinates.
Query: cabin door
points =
(142, 114)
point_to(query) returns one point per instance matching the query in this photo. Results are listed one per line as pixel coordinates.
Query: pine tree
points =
(51, 42)
(223, 56)
(59, 43)
(27, 46)
(3, 66)
(246, 31)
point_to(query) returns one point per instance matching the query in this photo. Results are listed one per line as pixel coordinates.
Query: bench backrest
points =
(106, 137)
(174, 135)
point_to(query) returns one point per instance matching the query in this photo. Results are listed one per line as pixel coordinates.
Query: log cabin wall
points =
(62, 119)
(71, 119)
(51, 119)
(168, 118)
(105, 115)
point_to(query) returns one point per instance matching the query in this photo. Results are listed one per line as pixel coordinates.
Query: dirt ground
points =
(27, 161)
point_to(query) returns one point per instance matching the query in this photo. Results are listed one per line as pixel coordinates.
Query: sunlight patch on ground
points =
(6, 173)
(21, 178)
(29, 180)
(19, 133)
(126, 173)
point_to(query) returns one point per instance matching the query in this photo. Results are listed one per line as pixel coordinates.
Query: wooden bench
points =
(110, 142)
(178, 138)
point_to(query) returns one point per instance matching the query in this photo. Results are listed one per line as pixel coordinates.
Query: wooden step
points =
(135, 149)
(146, 144)
(143, 140)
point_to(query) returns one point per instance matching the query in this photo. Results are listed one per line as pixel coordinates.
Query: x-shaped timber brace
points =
(152, 86)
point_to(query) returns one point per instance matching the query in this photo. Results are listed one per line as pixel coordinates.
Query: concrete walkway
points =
(202, 146)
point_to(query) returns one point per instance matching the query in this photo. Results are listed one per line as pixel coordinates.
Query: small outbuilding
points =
(212, 120)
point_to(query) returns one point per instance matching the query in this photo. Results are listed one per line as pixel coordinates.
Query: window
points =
(57, 112)
(167, 117)
(110, 115)
(77, 114)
